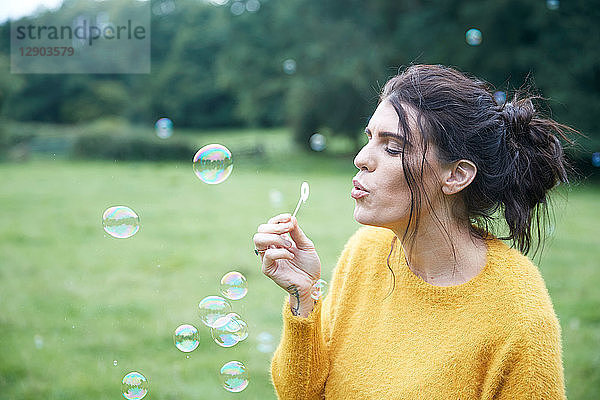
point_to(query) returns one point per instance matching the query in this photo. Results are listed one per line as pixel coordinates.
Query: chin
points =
(365, 217)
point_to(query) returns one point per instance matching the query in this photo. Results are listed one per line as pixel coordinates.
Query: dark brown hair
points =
(517, 151)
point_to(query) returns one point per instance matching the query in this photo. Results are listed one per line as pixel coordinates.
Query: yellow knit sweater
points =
(494, 337)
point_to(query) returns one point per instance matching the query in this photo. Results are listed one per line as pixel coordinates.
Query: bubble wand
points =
(304, 191)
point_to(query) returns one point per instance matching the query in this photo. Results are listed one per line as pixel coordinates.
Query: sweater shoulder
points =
(524, 291)
(367, 246)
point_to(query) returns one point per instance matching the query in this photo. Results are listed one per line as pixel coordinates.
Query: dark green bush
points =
(108, 147)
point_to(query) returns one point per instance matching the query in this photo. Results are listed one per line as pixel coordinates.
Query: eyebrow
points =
(390, 134)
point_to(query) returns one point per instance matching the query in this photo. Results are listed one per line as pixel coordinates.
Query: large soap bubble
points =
(134, 386)
(213, 163)
(186, 338)
(234, 376)
(212, 309)
(233, 285)
(120, 222)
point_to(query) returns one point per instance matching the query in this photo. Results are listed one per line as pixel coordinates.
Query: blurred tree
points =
(224, 65)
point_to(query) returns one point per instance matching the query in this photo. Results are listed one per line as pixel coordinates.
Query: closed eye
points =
(393, 151)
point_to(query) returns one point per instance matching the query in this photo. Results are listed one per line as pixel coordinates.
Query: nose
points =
(364, 160)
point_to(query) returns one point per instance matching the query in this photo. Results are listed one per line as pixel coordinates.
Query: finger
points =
(272, 255)
(263, 240)
(297, 235)
(280, 218)
(277, 228)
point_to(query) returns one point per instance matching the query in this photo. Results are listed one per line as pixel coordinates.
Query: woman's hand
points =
(289, 258)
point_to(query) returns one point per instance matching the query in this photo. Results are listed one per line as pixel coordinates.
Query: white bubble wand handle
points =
(304, 192)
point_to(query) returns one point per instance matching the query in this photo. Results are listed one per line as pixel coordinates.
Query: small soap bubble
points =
(163, 8)
(115, 363)
(500, 97)
(212, 309)
(252, 5)
(574, 324)
(553, 4)
(275, 198)
(186, 338)
(265, 342)
(242, 332)
(289, 66)
(188, 357)
(233, 285)
(134, 386)
(213, 163)
(317, 142)
(238, 8)
(39, 341)
(164, 128)
(319, 289)
(120, 222)
(596, 159)
(219, 2)
(234, 376)
(474, 37)
(225, 334)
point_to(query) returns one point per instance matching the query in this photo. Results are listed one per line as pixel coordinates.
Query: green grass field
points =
(72, 300)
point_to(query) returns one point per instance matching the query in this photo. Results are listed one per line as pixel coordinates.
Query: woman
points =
(426, 303)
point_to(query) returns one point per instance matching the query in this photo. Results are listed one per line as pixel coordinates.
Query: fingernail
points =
(287, 243)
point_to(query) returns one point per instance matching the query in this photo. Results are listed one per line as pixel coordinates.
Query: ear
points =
(458, 176)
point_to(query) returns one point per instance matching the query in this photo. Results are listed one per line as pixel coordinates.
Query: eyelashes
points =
(392, 151)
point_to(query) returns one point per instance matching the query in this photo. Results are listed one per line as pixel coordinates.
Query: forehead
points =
(385, 118)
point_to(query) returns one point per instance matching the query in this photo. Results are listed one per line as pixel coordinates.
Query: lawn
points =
(74, 300)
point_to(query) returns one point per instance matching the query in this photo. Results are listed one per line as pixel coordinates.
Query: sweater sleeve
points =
(536, 370)
(300, 365)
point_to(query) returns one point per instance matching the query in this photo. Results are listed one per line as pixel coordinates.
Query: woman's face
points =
(380, 189)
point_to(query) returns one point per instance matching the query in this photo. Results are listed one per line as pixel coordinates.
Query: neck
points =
(430, 255)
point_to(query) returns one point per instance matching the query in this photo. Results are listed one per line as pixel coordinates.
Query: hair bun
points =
(517, 115)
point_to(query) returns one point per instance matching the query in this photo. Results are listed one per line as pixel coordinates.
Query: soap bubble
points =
(115, 362)
(242, 333)
(252, 5)
(275, 198)
(218, 2)
(134, 386)
(553, 4)
(120, 222)
(233, 285)
(212, 309)
(289, 66)
(213, 163)
(238, 8)
(164, 128)
(186, 338)
(317, 142)
(500, 97)
(319, 289)
(473, 37)
(596, 159)
(234, 376)
(265, 342)
(225, 334)
(39, 341)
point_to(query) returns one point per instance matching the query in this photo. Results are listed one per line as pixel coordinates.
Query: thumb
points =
(298, 236)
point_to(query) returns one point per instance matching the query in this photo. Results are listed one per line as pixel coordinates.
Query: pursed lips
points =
(358, 191)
